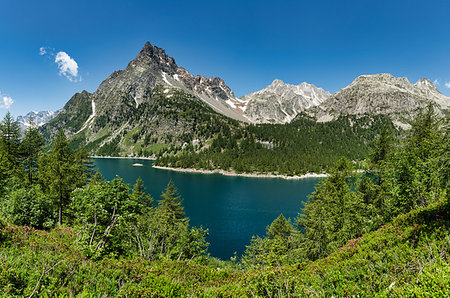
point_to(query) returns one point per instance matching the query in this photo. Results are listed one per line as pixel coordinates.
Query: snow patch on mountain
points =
(36, 118)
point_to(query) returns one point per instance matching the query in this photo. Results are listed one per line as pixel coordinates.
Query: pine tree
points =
(280, 227)
(140, 195)
(10, 138)
(60, 172)
(381, 147)
(419, 164)
(171, 204)
(31, 147)
(333, 213)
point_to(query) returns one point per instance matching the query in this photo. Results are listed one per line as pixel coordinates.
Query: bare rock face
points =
(429, 90)
(137, 80)
(382, 94)
(214, 92)
(280, 102)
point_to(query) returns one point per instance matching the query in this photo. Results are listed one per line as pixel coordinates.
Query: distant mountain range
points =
(156, 101)
(37, 118)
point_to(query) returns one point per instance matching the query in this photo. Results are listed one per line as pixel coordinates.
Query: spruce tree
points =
(280, 227)
(139, 194)
(31, 148)
(171, 204)
(10, 138)
(60, 172)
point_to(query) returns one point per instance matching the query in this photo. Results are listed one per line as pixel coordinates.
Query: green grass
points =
(128, 138)
(155, 148)
(408, 257)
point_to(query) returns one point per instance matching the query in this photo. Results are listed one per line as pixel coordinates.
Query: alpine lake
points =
(232, 208)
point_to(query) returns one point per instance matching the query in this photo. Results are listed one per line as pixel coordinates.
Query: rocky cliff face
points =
(382, 94)
(280, 102)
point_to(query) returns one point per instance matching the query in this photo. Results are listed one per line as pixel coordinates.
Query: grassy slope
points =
(408, 256)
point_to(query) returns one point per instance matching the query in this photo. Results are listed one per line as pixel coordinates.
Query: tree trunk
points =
(60, 209)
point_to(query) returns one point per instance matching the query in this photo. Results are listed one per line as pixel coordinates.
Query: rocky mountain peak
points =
(280, 102)
(156, 58)
(277, 82)
(214, 92)
(426, 85)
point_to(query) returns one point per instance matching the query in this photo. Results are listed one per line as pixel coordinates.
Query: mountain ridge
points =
(38, 118)
(382, 94)
(154, 101)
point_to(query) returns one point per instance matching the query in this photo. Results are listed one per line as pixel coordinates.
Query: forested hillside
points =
(185, 133)
(66, 231)
(302, 146)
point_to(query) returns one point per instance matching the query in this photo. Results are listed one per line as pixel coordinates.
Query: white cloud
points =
(67, 66)
(42, 51)
(5, 102)
(436, 82)
(447, 84)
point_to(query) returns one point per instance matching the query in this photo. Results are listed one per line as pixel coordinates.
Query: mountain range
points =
(37, 118)
(155, 101)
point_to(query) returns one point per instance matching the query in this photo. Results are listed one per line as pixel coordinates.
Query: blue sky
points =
(247, 43)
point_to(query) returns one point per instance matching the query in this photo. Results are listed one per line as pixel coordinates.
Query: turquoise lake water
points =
(232, 208)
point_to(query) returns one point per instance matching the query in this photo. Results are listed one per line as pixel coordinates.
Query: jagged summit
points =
(280, 102)
(155, 57)
(152, 67)
(426, 85)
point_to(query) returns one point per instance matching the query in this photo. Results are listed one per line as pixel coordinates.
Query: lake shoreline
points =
(230, 173)
(218, 171)
(124, 157)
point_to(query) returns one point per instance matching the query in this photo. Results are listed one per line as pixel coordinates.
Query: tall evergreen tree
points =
(60, 172)
(10, 138)
(333, 214)
(140, 195)
(375, 184)
(171, 204)
(381, 147)
(418, 163)
(30, 148)
(280, 227)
